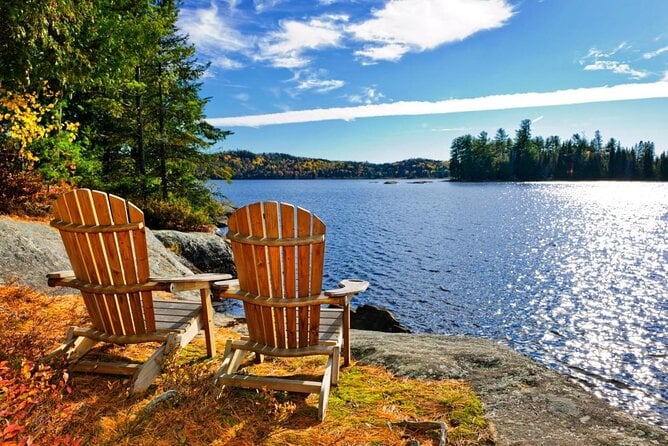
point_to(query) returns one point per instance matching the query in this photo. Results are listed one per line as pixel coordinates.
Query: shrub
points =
(177, 214)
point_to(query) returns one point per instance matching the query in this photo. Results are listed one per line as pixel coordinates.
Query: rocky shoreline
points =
(528, 404)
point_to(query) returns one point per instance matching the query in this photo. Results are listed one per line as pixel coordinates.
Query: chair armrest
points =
(221, 287)
(348, 287)
(229, 289)
(172, 284)
(60, 274)
(87, 287)
(191, 282)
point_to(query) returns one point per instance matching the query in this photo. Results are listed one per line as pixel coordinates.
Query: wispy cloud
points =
(595, 53)
(497, 102)
(307, 80)
(535, 120)
(214, 35)
(403, 26)
(285, 48)
(369, 95)
(263, 5)
(616, 67)
(598, 60)
(653, 54)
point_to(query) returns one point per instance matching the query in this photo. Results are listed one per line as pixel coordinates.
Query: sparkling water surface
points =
(574, 275)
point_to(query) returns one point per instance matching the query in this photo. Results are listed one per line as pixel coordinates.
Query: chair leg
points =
(149, 370)
(346, 335)
(237, 358)
(324, 389)
(335, 366)
(230, 365)
(207, 322)
(73, 348)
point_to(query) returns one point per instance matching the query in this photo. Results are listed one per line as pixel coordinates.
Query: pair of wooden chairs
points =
(279, 255)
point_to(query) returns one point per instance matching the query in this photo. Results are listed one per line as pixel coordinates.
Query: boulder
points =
(31, 249)
(207, 253)
(375, 318)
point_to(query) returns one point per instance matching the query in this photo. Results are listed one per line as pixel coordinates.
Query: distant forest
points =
(526, 158)
(248, 165)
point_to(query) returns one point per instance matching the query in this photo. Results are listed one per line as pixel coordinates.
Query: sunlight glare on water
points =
(574, 275)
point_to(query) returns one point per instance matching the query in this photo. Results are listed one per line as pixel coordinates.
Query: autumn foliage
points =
(41, 404)
(31, 135)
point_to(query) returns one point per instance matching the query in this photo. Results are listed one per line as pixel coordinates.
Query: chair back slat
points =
(144, 300)
(279, 252)
(261, 272)
(100, 256)
(117, 212)
(276, 283)
(288, 254)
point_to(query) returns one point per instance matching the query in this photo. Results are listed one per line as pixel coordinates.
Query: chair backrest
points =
(105, 240)
(279, 253)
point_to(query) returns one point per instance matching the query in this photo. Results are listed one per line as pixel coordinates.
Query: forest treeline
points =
(103, 94)
(248, 165)
(527, 158)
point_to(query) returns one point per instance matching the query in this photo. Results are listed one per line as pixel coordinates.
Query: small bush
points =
(176, 214)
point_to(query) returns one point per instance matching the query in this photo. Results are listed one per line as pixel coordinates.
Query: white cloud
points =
(263, 5)
(399, 27)
(308, 80)
(597, 60)
(653, 54)
(369, 95)
(535, 120)
(243, 97)
(616, 67)
(285, 48)
(233, 4)
(665, 76)
(213, 35)
(498, 102)
(225, 63)
(419, 25)
(320, 85)
(391, 52)
(597, 54)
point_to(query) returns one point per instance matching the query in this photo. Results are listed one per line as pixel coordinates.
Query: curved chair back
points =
(279, 253)
(105, 240)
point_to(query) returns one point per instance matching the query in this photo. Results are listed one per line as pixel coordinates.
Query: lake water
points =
(574, 275)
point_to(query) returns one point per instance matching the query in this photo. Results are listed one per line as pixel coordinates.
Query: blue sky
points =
(384, 80)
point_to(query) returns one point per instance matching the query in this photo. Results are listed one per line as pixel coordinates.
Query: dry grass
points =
(43, 405)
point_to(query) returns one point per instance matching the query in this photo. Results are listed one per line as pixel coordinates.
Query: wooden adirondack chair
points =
(278, 250)
(105, 240)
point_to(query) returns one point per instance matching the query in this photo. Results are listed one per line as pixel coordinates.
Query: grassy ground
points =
(44, 405)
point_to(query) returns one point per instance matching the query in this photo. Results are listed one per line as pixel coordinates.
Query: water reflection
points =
(572, 274)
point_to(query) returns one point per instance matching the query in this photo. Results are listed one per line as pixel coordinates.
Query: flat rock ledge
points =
(527, 403)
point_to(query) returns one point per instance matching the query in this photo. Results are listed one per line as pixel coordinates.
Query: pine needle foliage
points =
(41, 404)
